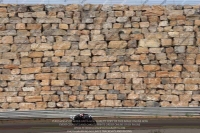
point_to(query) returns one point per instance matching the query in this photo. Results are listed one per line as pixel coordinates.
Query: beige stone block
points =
(149, 43)
(63, 26)
(33, 98)
(27, 106)
(110, 103)
(20, 26)
(57, 82)
(30, 70)
(7, 39)
(14, 99)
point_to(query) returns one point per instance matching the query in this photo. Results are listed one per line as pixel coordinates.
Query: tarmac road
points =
(104, 125)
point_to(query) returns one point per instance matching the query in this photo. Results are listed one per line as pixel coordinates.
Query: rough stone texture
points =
(111, 103)
(117, 44)
(33, 98)
(149, 43)
(66, 56)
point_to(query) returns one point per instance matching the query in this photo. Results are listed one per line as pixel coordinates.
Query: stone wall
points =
(89, 56)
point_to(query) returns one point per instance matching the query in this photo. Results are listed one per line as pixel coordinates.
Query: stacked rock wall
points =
(73, 56)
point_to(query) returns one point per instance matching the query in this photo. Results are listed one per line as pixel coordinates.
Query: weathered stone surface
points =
(191, 87)
(82, 59)
(97, 45)
(191, 80)
(113, 75)
(12, 67)
(179, 104)
(41, 105)
(53, 32)
(64, 56)
(197, 22)
(175, 12)
(30, 70)
(57, 82)
(185, 97)
(23, 33)
(8, 33)
(20, 39)
(4, 48)
(163, 23)
(133, 96)
(149, 43)
(150, 97)
(63, 26)
(166, 42)
(165, 104)
(196, 97)
(4, 20)
(62, 45)
(41, 47)
(13, 106)
(144, 24)
(152, 104)
(151, 68)
(29, 106)
(73, 82)
(169, 98)
(198, 59)
(179, 49)
(94, 82)
(27, 77)
(103, 58)
(9, 77)
(28, 20)
(28, 88)
(112, 35)
(155, 11)
(99, 97)
(34, 26)
(184, 41)
(73, 7)
(152, 80)
(9, 55)
(45, 76)
(14, 99)
(15, 20)
(48, 20)
(7, 39)
(5, 61)
(36, 54)
(51, 104)
(3, 9)
(8, 94)
(129, 75)
(111, 96)
(129, 103)
(122, 19)
(191, 68)
(33, 98)
(37, 8)
(110, 103)
(59, 69)
(91, 70)
(89, 104)
(117, 44)
(180, 87)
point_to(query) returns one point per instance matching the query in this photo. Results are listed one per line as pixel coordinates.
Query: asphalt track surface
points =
(125, 120)
(104, 125)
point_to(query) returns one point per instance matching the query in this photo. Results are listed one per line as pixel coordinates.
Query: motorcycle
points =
(83, 119)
